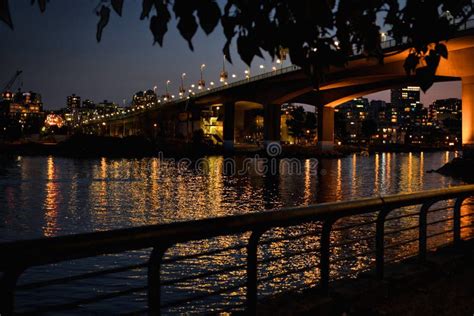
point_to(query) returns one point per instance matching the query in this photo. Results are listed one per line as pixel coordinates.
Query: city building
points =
(441, 110)
(144, 98)
(73, 110)
(73, 102)
(21, 113)
(350, 118)
(410, 111)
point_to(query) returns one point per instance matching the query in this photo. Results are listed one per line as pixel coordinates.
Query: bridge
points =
(221, 111)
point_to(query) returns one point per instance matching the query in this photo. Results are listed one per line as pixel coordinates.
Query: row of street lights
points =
(223, 78)
(182, 90)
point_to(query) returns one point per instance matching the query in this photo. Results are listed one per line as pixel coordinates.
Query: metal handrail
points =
(51, 250)
(29, 253)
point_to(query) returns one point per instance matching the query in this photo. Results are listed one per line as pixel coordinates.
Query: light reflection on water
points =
(49, 196)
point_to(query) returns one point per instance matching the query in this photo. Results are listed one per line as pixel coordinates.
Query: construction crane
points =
(6, 92)
(12, 81)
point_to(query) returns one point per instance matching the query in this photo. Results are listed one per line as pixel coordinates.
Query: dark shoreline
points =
(86, 146)
(459, 168)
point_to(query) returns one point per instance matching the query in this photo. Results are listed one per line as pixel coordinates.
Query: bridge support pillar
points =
(325, 128)
(271, 124)
(229, 122)
(468, 116)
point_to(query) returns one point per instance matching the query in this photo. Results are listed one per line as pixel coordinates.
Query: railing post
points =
(325, 254)
(252, 248)
(154, 280)
(422, 235)
(380, 242)
(457, 220)
(8, 281)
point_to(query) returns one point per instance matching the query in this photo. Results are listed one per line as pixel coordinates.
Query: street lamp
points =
(181, 89)
(279, 62)
(247, 73)
(262, 67)
(201, 83)
(224, 75)
(167, 95)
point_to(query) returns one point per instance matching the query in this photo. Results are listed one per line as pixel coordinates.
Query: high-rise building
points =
(73, 107)
(22, 110)
(352, 114)
(407, 102)
(73, 102)
(405, 95)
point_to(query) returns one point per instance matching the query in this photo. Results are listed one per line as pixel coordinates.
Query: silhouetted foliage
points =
(316, 33)
(296, 122)
(310, 121)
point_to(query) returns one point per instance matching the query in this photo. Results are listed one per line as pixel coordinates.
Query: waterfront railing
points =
(330, 226)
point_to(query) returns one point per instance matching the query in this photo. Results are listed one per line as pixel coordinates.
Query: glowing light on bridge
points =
(223, 76)
(201, 82)
(182, 90)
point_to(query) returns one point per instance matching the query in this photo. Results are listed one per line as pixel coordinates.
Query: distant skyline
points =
(437, 91)
(59, 55)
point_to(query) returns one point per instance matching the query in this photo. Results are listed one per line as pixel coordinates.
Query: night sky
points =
(59, 55)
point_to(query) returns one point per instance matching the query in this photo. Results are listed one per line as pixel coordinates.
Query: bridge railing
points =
(204, 92)
(325, 230)
(264, 75)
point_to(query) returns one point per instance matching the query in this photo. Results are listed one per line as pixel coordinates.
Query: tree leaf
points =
(5, 13)
(42, 5)
(442, 50)
(104, 20)
(184, 7)
(187, 27)
(228, 24)
(245, 49)
(209, 14)
(425, 78)
(226, 51)
(159, 24)
(117, 6)
(146, 8)
(432, 60)
(410, 63)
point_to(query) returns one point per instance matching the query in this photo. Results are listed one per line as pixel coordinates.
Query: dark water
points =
(50, 196)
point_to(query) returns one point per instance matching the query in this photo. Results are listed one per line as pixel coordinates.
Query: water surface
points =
(51, 196)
